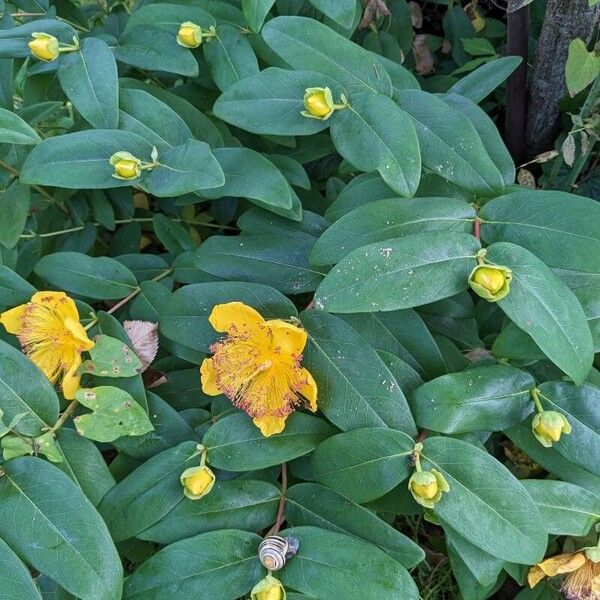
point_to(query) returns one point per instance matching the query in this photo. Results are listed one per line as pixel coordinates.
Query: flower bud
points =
(269, 588)
(491, 282)
(44, 46)
(318, 103)
(126, 165)
(189, 35)
(427, 487)
(548, 426)
(197, 482)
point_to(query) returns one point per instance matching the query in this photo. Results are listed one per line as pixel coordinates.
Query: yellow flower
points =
(548, 426)
(491, 282)
(319, 103)
(257, 366)
(126, 165)
(583, 580)
(44, 46)
(268, 588)
(189, 35)
(427, 487)
(51, 335)
(197, 482)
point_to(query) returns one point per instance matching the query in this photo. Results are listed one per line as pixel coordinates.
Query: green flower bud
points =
(268, 588)
(427, 487)
(548, 426)
(491, 282)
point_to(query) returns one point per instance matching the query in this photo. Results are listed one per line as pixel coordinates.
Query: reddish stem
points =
(477, 228)
(422, 435)
(281, 509)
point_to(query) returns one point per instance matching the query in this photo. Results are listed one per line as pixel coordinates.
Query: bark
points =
(565, 20)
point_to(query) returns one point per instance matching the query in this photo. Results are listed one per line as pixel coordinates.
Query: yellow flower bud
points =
(427, 487)
(126, 165)
(475, 16)
(491, 282)
(268, 588)
(44, 46)
(548, 426)
(189, 35)
(197, 482)
(319, 103)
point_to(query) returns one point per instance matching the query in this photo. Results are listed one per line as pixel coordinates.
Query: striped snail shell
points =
(275, 550)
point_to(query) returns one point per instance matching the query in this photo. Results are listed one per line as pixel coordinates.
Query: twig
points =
(281, 508)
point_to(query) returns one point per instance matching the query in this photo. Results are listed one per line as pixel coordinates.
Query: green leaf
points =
(230, 57)
(514, 344)
(580, 407)
(375, 122)
(330, 565)
(316, 505)
(486, 398)
(561, 229)
(399, 273)
(478, 47)
(489, 134)
(270, 102)
(84, 463)
(49, 522)
(184, 169)
(486, 504)
(390, 218)
(81, 160)
(552, 461)
(15, 577)
(582, 67)
(100, 277)
(24, 390)
(250, 175)
(14, 130)
(89, 78)
(450, 145)
(114, 414)
(14, 205)
(234, 443)
(148, 493)
(185, 318)
(457, 27)
(111, 358)
(356, 389)
(304, 43)
(169, 17)
(567, 509)
(151, 118)
(255, 12)
(261, 259)
(172, 235)
(484, 80)
(219, 564)
(236, 504)
(545, 308)
(363, 464)
(151, 48)
(342, 12)
(13, 289)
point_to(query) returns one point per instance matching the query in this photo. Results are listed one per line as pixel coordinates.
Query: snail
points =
(274, 550)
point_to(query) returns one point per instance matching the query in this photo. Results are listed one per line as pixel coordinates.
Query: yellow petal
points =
(234, 317)
(13, 319)
(309, 389)
(287, 338)
(269, 425)
(562, 563)
(208, 376)
(59, 303)
(76, 329)
(534, 576)
(71, 379)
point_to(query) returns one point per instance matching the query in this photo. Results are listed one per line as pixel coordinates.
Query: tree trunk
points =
(565, 20)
